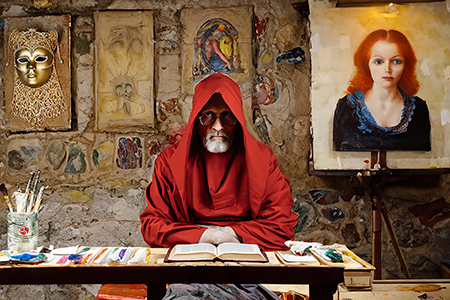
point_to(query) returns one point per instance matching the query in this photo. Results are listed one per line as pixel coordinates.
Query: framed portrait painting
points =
(380, 82)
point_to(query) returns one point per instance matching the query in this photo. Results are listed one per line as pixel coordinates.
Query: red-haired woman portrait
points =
(380, 110)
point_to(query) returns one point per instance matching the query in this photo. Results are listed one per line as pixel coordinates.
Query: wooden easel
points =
(373, 185)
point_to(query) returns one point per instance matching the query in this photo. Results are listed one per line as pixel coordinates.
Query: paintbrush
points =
(39, 198)
(30, 181)
(28, 191)
(34, 191)
(4, 191)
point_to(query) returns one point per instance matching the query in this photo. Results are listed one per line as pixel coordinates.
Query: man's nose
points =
(217, 125)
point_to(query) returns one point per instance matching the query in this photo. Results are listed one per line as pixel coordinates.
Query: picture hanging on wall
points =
(124, 70)
(216, 40)
(37, 73)
(380, 83)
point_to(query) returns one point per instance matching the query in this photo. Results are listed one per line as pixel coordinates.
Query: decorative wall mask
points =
(124, 69)
(37, 73)
(37, 93)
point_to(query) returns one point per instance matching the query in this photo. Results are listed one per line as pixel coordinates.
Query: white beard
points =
(217, 146)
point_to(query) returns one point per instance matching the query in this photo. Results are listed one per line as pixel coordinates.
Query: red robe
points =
(243, 188)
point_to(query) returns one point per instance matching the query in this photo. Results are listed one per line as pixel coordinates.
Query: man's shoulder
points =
(263, 147)
(265, 150)
(167, 153)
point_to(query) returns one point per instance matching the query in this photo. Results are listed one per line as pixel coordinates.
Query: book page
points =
(288, 256)
(195, 248)
(237, 248)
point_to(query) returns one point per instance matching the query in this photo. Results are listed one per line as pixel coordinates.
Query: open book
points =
(224, 252)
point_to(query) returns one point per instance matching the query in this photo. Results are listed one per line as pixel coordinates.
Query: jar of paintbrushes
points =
(23, 215)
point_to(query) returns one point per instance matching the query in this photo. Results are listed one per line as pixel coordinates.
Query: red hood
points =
(231, 94)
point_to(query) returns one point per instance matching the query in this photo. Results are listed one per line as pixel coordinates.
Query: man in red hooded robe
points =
(218, 184)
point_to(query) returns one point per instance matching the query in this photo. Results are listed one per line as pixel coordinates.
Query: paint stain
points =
(266, 58)
(424, 288)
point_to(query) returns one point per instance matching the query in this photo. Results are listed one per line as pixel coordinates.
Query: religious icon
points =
(216, 48)
(124, 69)
(380, 110)
(37, 95)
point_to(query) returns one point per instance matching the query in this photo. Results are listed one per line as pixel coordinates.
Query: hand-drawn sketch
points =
(380, 111)
(125, 69)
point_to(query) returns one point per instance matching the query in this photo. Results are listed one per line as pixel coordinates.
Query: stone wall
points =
(92, 201)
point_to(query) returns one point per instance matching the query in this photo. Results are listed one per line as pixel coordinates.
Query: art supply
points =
(22, 231)
(4, 191)
(21, 201)
(33, 192)
(30, 182)
(39, 198)
(75, 258)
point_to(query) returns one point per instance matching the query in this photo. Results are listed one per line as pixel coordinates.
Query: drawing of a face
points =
(386, 64)
(34, 68)
(123, 87)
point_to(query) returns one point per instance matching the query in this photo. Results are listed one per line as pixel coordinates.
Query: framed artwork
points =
(124, 70)
(218, 40)
(37, 73)
(380, 82)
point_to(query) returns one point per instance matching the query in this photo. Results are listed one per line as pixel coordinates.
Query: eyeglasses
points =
(208, 118)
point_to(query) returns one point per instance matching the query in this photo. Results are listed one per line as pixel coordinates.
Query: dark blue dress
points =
(354, 128)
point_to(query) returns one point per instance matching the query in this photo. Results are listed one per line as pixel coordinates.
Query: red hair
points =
(362, 79)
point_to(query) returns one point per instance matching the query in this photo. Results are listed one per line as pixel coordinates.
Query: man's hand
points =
(218, 235)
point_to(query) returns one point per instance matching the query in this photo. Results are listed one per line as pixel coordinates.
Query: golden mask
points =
(34, 68)
(33, 54)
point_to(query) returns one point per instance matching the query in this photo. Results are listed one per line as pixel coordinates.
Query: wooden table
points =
(322, 280)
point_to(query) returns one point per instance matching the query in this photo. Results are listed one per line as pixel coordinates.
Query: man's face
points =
(217, 137)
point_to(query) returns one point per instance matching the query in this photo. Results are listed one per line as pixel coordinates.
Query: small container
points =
(22, 231)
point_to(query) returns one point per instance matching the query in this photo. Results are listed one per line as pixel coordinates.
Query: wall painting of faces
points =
(389, 51)
(216, 40)
(37, 73)
(129, 153)
(124, 70)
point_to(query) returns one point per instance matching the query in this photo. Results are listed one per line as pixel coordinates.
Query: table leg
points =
(155, 291)
(322, 291)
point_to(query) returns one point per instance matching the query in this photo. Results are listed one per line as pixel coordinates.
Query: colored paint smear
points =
(423, 288)
(122, 253)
